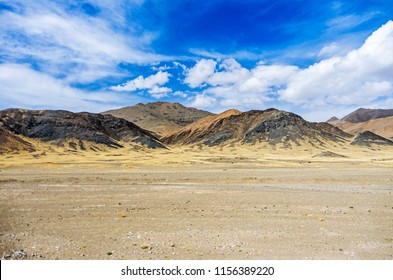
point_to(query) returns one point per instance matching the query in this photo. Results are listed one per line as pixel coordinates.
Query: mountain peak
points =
(159, 117)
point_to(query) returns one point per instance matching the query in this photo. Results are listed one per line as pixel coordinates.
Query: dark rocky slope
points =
(368, 138)
(48, 125)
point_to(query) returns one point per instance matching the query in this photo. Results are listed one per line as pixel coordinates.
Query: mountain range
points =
(165, 125)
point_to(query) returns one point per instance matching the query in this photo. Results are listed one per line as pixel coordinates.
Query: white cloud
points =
(350, 21)
(232, 72)
(150, 83)
(241, 55)
(160, 68)
(329, 50)
(141, 83)
(231, 85)
(233, 75)
(159, 92)
(177, 64)
(203, 101)
(358, 78)
(180, 94)
(81, 47)
(274, 75)
(24, 87)
(198, 74)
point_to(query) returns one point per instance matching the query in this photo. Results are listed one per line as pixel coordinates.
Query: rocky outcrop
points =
(367, 138)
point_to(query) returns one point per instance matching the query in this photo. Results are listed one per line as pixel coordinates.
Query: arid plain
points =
(222, 203)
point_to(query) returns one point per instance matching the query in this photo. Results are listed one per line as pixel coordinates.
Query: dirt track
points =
(197, 213)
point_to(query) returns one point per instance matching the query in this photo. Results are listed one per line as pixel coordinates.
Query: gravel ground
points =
(197, 213)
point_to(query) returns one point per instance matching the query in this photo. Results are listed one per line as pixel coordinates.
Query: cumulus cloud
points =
(229, 84)
(24, 87)
(231, 72)
(150, 83)
(362, 76)
(198, 74)
(204, 101)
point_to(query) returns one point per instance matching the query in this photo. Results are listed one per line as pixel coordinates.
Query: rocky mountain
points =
(48, 125)
(10, 142)
(159, 117)
(363, 115)
(368, 138)
(271, 126)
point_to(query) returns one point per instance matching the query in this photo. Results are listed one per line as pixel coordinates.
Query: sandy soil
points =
(188, 204)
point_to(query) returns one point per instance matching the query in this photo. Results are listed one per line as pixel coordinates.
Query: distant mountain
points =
(377, 121)
(159, 117)
(363, 115)
(48, 125)
(271, 126)
(381, 126)
(333, 119)
(10, 142)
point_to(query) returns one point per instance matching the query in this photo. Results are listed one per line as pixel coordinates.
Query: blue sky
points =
(314, 58)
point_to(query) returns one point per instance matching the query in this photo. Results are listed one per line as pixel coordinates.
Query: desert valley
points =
(165, 181)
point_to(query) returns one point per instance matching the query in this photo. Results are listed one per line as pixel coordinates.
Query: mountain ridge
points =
(271, 125)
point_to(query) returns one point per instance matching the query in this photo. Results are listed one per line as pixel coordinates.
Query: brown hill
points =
(363, 115)
(48, 125)
(271, 126)
(10, 142)
(159, 117)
